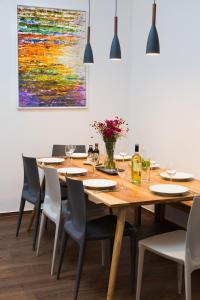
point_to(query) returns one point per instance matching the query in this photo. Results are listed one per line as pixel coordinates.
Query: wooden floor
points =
(24, 276)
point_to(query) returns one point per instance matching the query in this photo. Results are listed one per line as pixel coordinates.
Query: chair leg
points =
(41, 231)
(180, 277)
(37, 221)
(21, 210)
(31, 220)
(140, 270)
(79, 268)
(133, 253)
(187, 283)
(62, 252)
(55, 247)
(103, 253)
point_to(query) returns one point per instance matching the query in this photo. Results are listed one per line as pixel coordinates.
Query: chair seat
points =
(104, 228)
(170, 245)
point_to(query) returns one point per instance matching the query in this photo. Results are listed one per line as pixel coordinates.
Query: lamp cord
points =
(89, 15)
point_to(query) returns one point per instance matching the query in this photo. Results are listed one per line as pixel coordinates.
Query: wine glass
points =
(121, 171)
(171, 173)
(67, 151)
(93, 159)
(72, 149)
(123, 155)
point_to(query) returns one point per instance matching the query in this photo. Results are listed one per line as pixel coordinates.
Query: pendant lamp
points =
(153, 45)
(115, 51)
(88, 54)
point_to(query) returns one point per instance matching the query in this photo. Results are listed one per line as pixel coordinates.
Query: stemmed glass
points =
(171, 173)
(93, 159)
(121, 171)
(123, 155)
(69, 150)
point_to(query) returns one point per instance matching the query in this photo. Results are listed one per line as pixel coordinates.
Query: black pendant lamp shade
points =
(88, 54)
(115, 51)
(153, 45)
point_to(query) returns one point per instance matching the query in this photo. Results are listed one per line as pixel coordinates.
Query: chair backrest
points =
(52, 192)
(31, 178)
(76, 205)
(193, 230)
(59, 150)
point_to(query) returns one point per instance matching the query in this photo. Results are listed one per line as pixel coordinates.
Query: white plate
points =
(79, 155)
(120, 157)
(168, 189)
(99, 183)
(72, 171)
(51, 160)
(177, 176)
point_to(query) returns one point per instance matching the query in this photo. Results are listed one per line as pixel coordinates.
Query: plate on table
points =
(177, 176)
(50, 160)
(79, 155)
(72, 171)
(120, 157)
(99, 183)
(168, 189)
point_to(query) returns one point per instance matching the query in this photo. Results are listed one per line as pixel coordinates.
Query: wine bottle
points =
(90, 151)
(96, 152)
(136, 166)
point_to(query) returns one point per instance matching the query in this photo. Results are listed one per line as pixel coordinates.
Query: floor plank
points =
(24, 276)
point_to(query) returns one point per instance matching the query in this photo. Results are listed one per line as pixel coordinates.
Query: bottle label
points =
(137, 167)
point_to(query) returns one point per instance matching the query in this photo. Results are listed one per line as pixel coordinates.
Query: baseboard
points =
(14, 213)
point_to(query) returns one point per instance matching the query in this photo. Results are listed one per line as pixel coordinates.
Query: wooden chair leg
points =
(31, 220)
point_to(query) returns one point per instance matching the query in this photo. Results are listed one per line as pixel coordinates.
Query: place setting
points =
(172, 189)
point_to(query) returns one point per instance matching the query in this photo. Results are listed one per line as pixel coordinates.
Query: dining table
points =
(131, 195)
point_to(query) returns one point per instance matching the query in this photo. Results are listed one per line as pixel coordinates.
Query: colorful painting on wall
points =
(50, 57)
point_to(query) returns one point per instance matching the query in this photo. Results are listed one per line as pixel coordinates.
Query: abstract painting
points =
(50, 57)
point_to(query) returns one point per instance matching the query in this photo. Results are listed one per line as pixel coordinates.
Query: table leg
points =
(159, 213)
(116, 251)
(138, 215)
(31, 220)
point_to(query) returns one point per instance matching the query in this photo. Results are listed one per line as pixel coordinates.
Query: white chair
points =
(179, 246)
(52, 209)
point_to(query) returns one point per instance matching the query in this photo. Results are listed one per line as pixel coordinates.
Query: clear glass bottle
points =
(136, 166)
(96, 152)
(90, 151)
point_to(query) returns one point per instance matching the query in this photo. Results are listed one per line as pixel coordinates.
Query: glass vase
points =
(110, 148)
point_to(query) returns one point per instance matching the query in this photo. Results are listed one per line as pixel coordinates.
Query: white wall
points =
(165, 93)
(34, 132)
(165, 89)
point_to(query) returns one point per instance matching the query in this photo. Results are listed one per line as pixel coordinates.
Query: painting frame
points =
(73, 107)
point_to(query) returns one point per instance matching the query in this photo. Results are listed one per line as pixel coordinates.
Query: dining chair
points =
(81, 231)
(59, 150)
(31, 192)
(53, 208)
(179, 246)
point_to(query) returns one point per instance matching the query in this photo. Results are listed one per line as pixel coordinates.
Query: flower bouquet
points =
(111, 130)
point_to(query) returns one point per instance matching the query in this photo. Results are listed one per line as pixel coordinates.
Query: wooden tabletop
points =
(133, 194)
